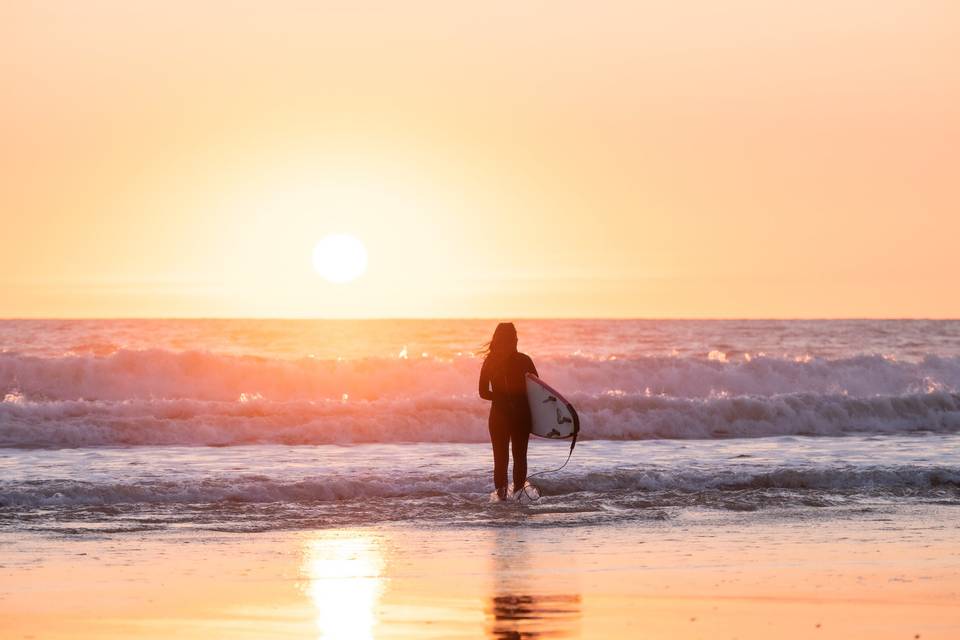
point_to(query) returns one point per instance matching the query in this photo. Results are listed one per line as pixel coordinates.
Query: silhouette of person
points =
(503, 382)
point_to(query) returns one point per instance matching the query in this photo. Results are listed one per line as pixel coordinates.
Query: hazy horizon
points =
(504, 318)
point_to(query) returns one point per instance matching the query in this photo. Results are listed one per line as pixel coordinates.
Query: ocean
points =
(113, 427)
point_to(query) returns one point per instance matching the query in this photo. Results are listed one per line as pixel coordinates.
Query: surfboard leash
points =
(560, 468)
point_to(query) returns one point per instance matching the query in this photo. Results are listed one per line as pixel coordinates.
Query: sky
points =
(497, 159)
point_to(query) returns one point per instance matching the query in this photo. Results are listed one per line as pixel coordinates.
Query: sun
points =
(340, 258)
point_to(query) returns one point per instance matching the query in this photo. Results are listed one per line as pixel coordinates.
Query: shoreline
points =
(891, 574)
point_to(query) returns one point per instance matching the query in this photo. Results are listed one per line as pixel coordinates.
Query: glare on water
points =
(344, 579)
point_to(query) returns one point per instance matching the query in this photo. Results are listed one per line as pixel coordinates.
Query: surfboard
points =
(552, 416)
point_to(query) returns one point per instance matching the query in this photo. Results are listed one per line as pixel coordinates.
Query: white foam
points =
(639, 482)
(77, 423)
(164, 397)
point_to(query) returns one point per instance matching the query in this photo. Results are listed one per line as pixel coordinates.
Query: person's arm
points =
(485, 392)
(530, 368)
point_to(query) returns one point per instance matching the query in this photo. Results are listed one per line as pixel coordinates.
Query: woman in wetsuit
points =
(503, 381)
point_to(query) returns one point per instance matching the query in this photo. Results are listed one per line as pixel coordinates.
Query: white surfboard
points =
(552, 416)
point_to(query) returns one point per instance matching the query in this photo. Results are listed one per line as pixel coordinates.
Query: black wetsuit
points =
(505, 384)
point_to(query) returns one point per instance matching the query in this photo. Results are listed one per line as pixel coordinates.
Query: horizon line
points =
(511, 317)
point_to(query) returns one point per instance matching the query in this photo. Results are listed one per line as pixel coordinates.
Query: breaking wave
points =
(78, 423)
(167, 397)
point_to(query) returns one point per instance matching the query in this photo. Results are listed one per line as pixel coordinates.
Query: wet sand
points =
(882, 574)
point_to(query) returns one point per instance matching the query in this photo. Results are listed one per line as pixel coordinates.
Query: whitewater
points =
(248, 424)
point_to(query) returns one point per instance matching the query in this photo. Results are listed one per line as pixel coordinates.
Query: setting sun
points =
(340, 258)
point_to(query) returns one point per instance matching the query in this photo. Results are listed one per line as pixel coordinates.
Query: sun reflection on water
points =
(344, 578)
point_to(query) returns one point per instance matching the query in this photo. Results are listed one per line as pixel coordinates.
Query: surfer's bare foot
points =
(502, 493)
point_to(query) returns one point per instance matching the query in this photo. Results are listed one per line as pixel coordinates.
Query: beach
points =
(879, 574)
(231, 479)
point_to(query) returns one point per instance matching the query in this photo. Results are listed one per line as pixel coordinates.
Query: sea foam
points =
(168, 397)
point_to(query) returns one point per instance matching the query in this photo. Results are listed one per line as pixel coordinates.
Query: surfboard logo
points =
(562, 418)
(554, 434)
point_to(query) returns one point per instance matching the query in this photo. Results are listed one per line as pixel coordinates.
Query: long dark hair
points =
(501, 345)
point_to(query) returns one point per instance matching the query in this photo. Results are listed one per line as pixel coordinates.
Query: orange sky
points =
(687, 159)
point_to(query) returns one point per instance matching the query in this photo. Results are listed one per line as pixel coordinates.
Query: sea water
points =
(249, 425)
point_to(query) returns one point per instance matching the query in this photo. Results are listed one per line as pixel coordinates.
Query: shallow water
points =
(262, 487)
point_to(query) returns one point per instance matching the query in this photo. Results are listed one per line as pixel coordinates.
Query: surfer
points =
(502, 381)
